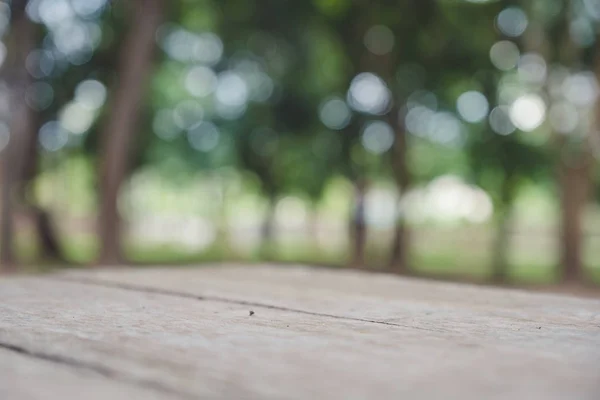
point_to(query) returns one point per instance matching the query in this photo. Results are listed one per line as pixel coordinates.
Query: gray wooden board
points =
(187, 333)
(25, 377)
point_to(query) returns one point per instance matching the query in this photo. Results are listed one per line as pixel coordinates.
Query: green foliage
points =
(285, 58)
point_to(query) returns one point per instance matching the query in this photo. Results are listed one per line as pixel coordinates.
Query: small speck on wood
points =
(539, 327)
(251, 313)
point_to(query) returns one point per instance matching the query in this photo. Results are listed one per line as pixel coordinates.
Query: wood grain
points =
(188, 333)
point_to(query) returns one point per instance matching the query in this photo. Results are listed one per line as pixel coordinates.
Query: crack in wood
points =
(97, 369)
(172, 293)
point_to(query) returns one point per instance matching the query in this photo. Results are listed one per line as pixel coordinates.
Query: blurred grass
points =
(449, 252)
(430, 258)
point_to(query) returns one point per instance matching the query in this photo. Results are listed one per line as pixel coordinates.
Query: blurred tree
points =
(54, 70)
(501, 162)
(501, 165)
(575, 162)
(21, 157)
(271, 128)
(418, 17)
(573, 151)
(117, 136)
(21, 41)
(251, 85)
(61, 75)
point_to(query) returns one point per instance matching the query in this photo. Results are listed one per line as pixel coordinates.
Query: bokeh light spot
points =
(564, 117)
(581, 89)
(500, 121)
(528, 112)
(76, 118)
(53, 136)
(91, 94)
(231, 90)
(188, 114)
(445, 128)
(417, 120)
(369, 94)
(512, 21)
(200, 81)
(532, 68)
(204, 137)
(504, 55)
(40, 63)
(39, 96)
(377, 137)
(422, 98)
(379, 40)
(88, 8)
(164, 125)
(335, 113)
(472, 106)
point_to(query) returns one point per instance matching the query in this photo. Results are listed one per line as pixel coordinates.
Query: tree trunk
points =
(7, 260)
(501, 244)
(49, 244)
(500, 248)
(222, 222)
(21, 41)
(47, 236)
(400, 260)
(574, 181)
(267, 239)
(358, 227)
(574, 168)
(118, 133)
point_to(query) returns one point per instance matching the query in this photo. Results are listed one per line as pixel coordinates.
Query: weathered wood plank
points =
(26, 377)
(313, 338)
(414, 302)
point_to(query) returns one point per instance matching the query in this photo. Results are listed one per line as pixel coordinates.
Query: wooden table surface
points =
(187, 333)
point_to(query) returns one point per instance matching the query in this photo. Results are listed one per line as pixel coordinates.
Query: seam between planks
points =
(100, 370)
(167, 292)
